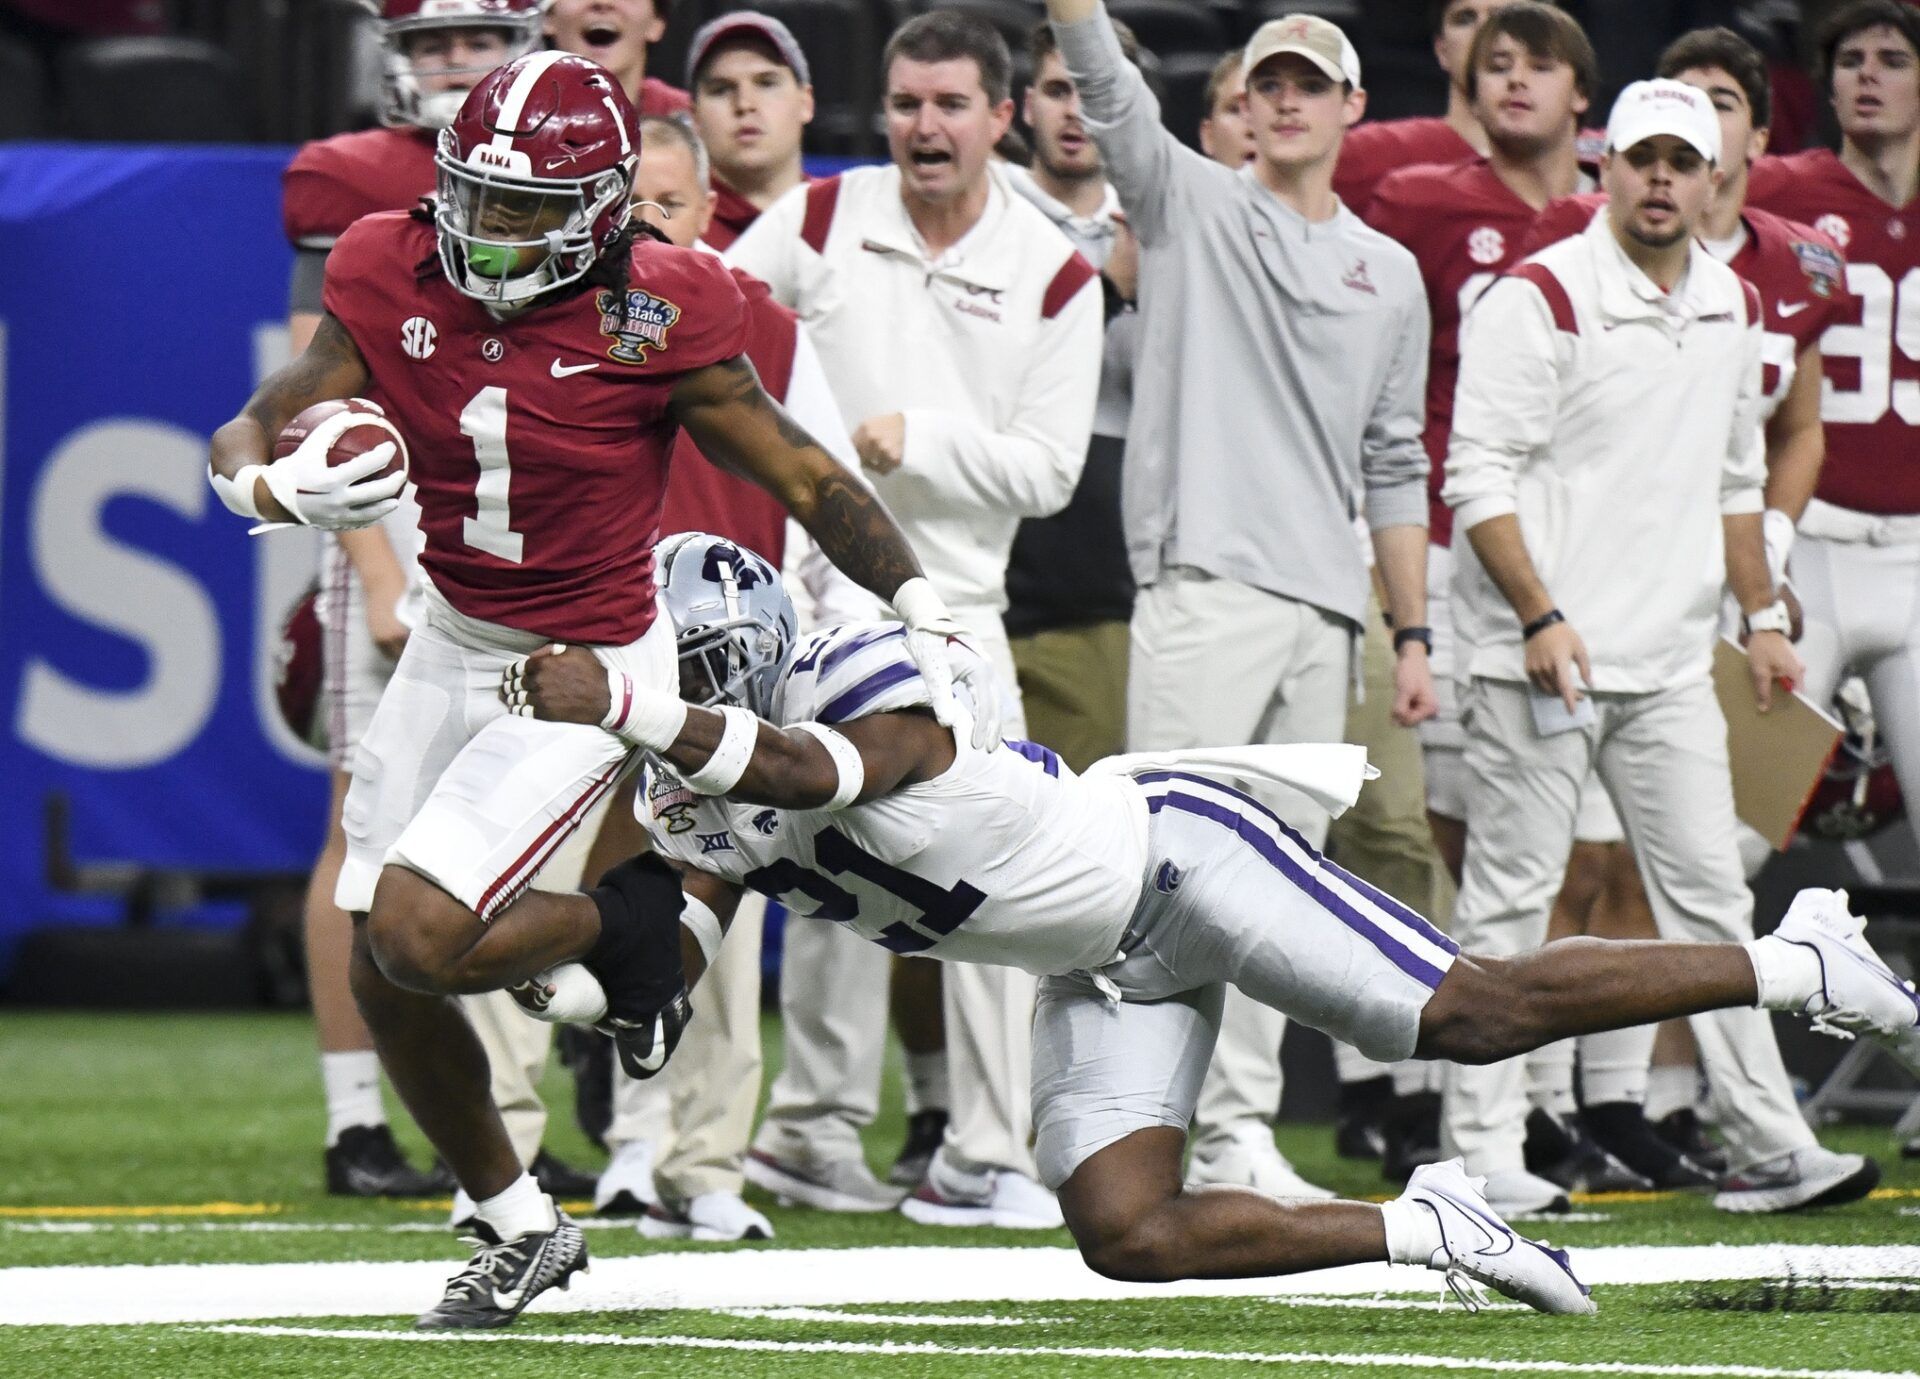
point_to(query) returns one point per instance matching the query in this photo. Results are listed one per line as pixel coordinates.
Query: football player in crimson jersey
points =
(538, 353)
(434, 51)
(617, 34)
(1856, 562)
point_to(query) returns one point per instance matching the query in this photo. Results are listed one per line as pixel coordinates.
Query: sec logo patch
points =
(1486, 245)
(418, 337)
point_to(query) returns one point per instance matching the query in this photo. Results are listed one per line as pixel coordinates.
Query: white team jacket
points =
(1620, 423)
(992, 352)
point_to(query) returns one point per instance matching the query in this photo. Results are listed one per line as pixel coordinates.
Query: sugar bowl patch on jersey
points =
(636, 321)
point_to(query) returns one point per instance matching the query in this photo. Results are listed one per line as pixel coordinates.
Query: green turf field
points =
(193, 1140)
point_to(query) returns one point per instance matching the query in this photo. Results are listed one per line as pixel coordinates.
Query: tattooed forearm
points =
(859, 535)
(330, 367)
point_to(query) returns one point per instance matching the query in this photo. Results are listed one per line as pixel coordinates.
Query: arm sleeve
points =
(1030, 466)
(1506, 402)
(772, 250)
(1393, 461)
(309, 275)
(1743, 484)
(1143, 159)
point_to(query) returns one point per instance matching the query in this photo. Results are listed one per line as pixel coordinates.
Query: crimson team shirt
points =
(703, 497)
(1465, 228)
(1372, 150)
(539, 443)
(333, 182)
(1799, 273)
(1871, 401)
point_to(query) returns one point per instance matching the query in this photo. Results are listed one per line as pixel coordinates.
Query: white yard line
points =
(830, 1314)
(1458, 1363)
(96, 1295)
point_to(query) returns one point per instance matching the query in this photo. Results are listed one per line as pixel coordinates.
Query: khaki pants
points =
(1073, 683)
(1217, 663)
(698, 1114)
(833, 1010)
(1663, 759)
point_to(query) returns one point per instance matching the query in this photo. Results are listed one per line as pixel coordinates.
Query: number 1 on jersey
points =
(484, 422)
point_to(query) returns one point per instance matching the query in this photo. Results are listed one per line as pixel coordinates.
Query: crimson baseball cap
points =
(749, 24)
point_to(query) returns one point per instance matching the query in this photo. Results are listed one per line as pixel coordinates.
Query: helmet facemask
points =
(430, 99)
(735, 626)
(507, 236)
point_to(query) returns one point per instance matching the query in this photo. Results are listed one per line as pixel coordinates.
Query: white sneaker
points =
(1247, 1157)
(710, 1216)
(846, 1184)
(1811, 1177)
(1859, 992)
(1519, 1193)
(998, 1197)
(626, 1183)
(1478, 1247)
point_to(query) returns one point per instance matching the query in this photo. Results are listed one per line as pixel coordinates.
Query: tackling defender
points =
(540, 354)
(1138, 892)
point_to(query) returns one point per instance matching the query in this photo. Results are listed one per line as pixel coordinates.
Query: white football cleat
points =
(711, 1216)
(626, 1186)
(839, 1185)
(1477, 1247)
(1247, 1157)
(1520, 1193)
(1859, 992)
(994, 1197)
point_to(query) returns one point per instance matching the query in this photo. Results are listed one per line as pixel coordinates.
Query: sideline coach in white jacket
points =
(1606, 466)
(1279, 392)
(962, 335)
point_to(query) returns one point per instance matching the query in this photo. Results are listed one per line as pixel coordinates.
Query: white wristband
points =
(704, 925)
(237, 493)
(729, 760)
(1776, 529)
(642, 715)
(846, 762)
(918, 603)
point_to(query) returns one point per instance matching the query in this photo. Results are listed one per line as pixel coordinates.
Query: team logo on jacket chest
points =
(1486, 245)
(638, 321)
(1835, 228)
(1358, 280)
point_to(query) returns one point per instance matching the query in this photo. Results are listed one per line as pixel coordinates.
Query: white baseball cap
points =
(1319, 41)
(1647, 108)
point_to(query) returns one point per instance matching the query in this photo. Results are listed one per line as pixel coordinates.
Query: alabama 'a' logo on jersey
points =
(638, 321)
(1835, 228)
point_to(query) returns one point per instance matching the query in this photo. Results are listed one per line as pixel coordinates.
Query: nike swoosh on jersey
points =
(1794, 310)
(569, 370)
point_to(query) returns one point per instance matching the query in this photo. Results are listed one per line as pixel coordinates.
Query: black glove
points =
(637, 959)
(645, 1048)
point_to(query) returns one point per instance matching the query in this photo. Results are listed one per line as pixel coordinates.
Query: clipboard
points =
(1779, 758)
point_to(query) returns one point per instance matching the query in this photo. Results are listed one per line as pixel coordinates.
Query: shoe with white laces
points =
(1246, 1156)
(626, 1183)
(1519, 1193)
(1811, 1177)
(843, 1184)
(991, 1197)
(710, 1216)
(1478, 1248)
(505, 1275)
(1858, 993)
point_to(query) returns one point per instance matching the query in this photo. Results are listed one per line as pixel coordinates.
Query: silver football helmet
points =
(734, 623)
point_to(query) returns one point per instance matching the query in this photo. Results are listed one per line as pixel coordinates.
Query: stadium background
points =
(160, 816)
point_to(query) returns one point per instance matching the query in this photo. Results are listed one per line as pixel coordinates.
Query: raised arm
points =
(729, 751)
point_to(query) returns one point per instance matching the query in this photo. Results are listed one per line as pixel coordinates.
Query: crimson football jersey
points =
(333, 182)
(540, 442)
(1465, 227)
(1372, 150)
(703, 497)
(1800, 275)
(1871, 399)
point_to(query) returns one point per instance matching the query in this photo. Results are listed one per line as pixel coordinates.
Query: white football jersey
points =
(1008, 858)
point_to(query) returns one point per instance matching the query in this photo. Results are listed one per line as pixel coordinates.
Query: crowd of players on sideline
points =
(1211, 589)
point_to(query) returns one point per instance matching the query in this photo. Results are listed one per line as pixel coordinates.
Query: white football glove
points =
(941, 653)
(334, 497)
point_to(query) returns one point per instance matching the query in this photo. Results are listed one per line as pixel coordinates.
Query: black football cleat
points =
(588, 1055)
(505, 1275)
(1560, 1152)
(1682, 1129)
(1364, 1106)
(1412, 1134)
(1623, 1130)
(560, 1180)
(365, 1162)
(925, 1130)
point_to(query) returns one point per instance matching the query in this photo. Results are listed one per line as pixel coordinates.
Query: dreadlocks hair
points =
(611, 270)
